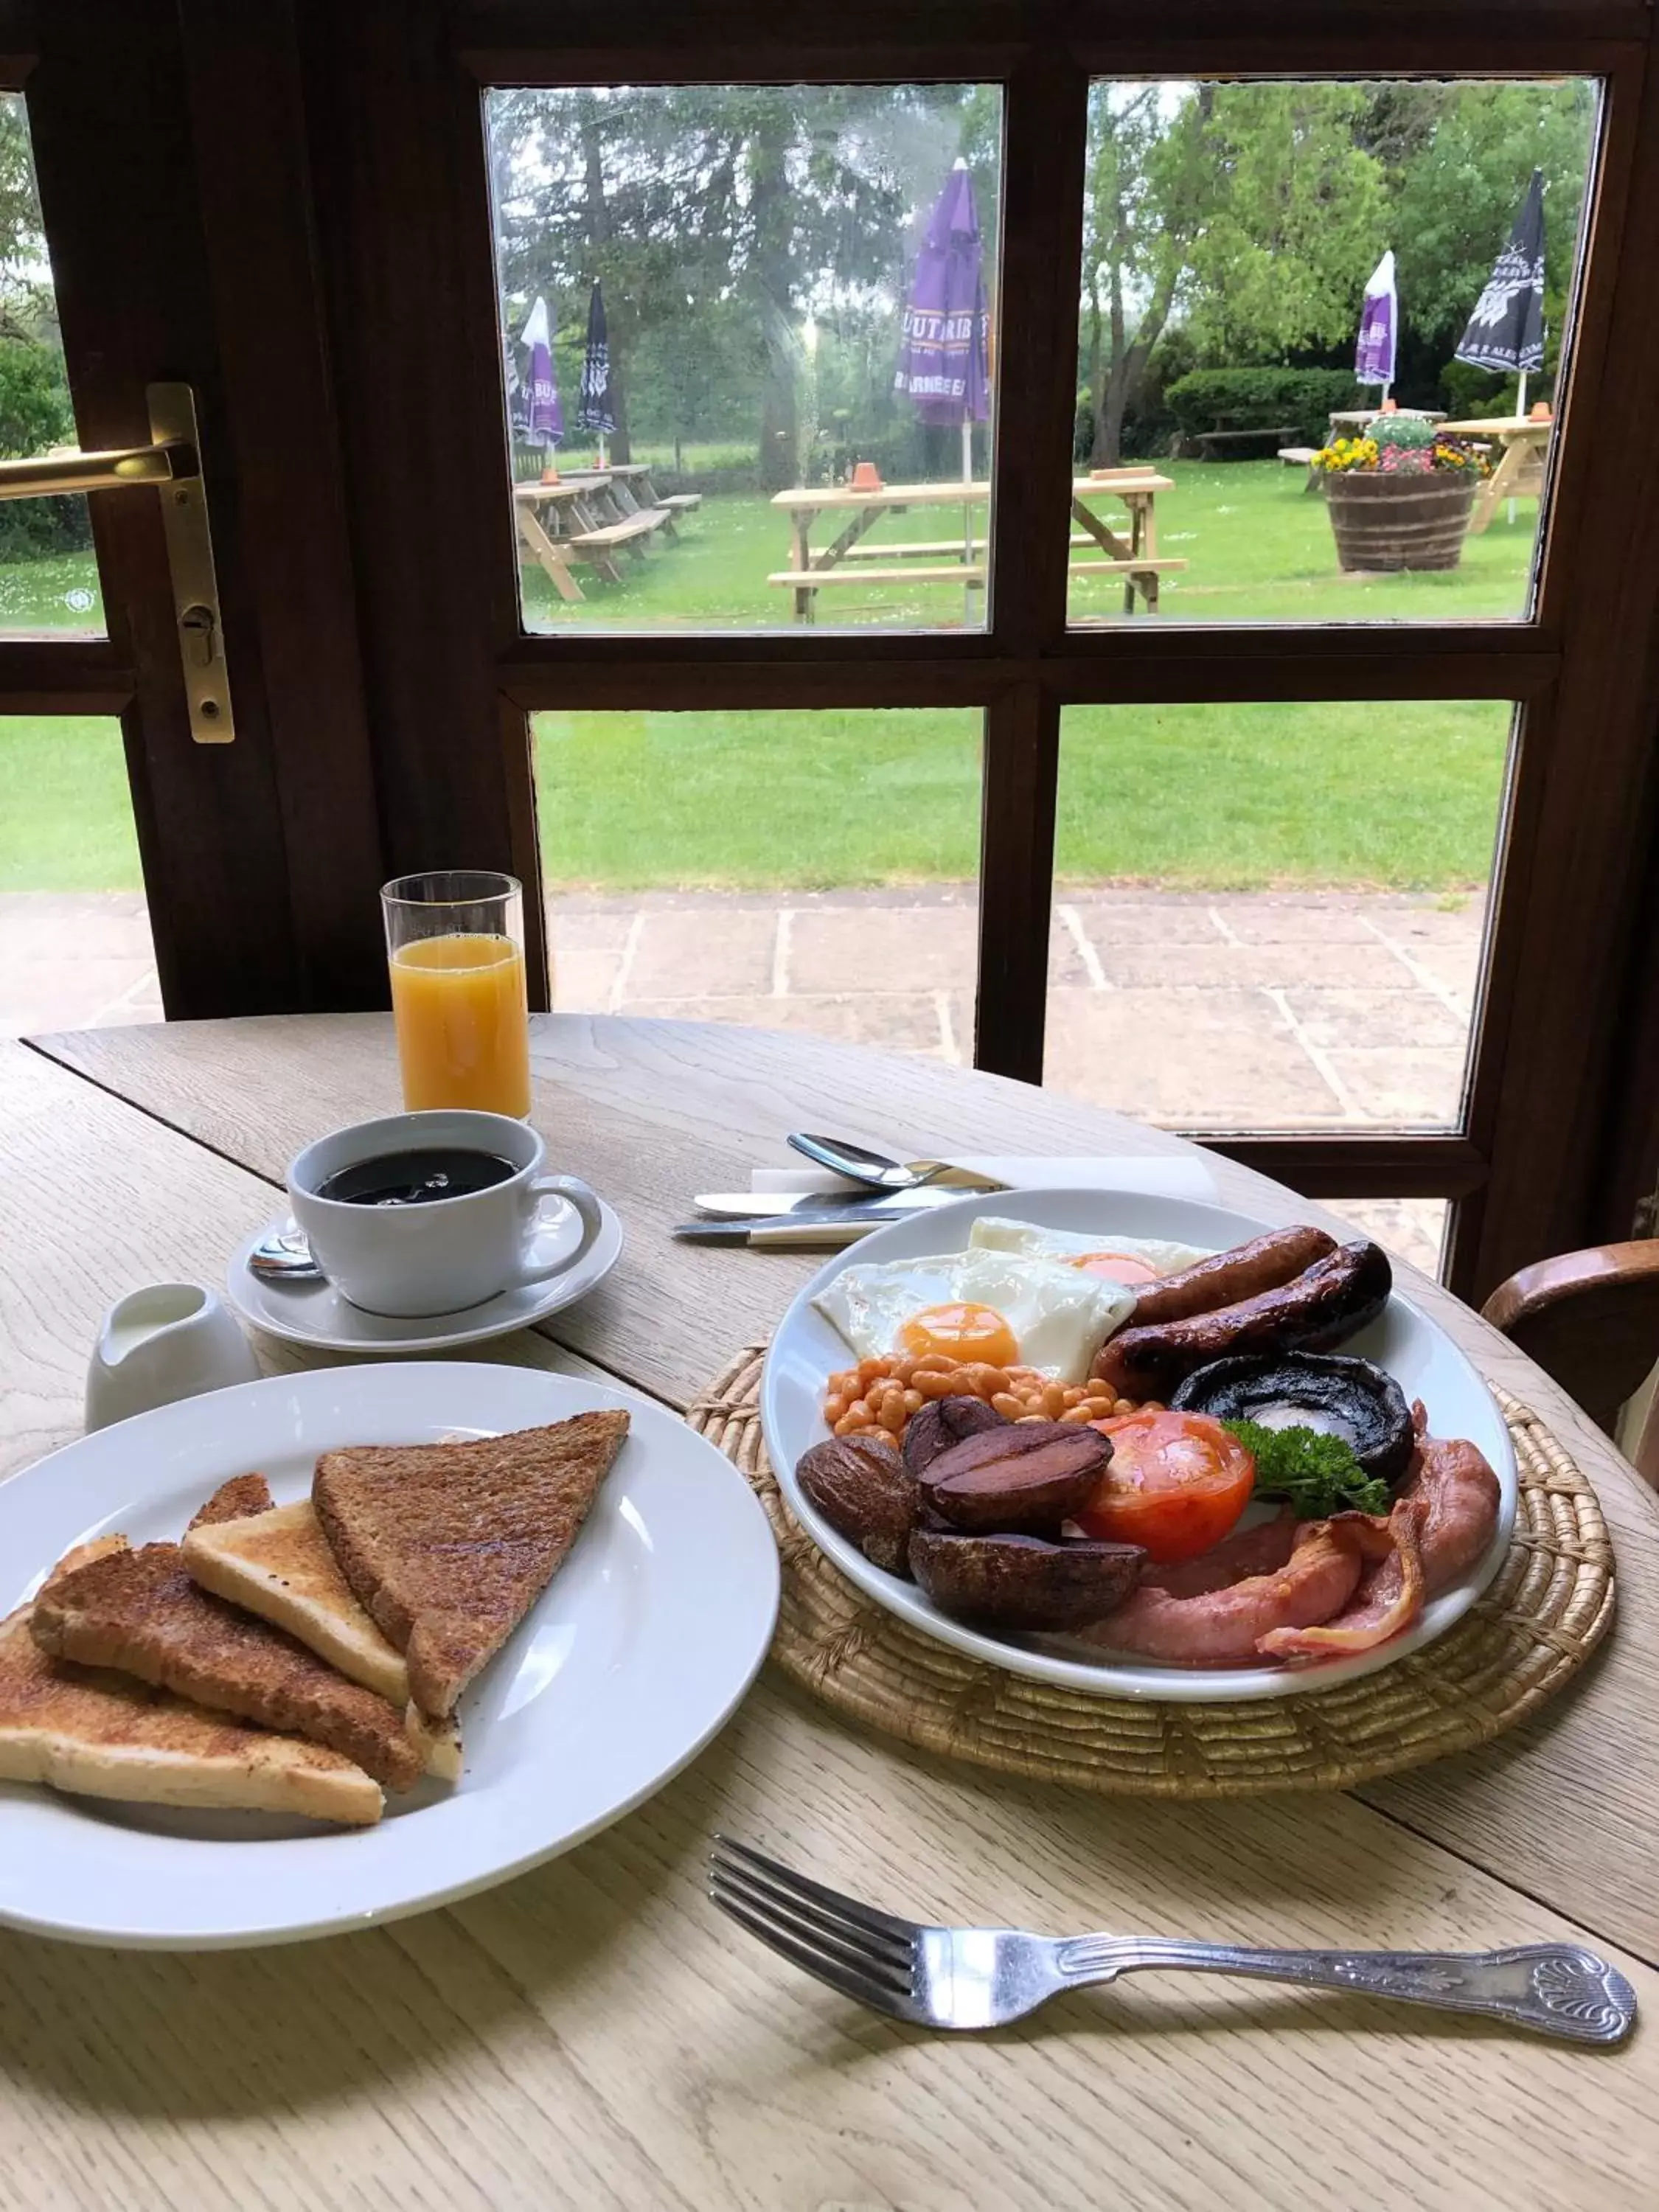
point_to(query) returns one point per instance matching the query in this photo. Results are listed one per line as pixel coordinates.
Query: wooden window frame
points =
(375, 136)
(1544, 1065)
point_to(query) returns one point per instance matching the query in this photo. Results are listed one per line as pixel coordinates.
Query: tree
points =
(1239, 212)
(1459, 184)
(786, 202)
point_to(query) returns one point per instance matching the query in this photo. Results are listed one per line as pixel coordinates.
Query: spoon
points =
(874, 1170)
(284, 1256)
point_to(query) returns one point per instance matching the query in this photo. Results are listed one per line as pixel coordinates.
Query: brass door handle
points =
(170, 464)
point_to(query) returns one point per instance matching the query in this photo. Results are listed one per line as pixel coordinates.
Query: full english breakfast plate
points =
(1137, 1445)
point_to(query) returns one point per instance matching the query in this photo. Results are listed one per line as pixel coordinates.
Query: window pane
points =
(75, 941)
(722, 307)
(1238, 239)
(48, 577)
(1414, 1229)
(811, 871)
(1272, 916)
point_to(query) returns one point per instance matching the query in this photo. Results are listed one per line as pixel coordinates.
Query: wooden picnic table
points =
(1520, 471)
(959, 560)
(1136, 558)
(594, 2034)
(588, 514)
(1356, 418)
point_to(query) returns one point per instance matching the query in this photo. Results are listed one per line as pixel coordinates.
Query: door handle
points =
(171, 465)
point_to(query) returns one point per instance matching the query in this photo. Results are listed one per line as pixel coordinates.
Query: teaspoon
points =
(284, 1256)
(874, 1170)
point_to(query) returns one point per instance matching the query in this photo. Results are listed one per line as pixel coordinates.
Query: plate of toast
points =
(334, 1647)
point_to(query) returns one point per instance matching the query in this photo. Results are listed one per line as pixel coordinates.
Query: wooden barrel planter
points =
(1399, 521)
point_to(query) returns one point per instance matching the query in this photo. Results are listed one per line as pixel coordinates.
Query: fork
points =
(970, 1978)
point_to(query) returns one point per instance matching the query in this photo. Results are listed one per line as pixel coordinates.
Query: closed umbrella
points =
(594, 411)
(1379, 329)
(544, 416)
(944, 358)
(1506, 331)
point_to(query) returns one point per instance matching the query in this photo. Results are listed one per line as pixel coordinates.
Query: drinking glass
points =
(454, 941)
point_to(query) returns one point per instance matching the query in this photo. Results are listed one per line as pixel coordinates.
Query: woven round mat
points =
(1537, 1623)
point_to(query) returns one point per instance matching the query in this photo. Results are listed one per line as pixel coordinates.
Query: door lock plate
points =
(189, 560)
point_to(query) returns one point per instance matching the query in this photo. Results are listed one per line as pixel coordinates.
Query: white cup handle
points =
(576, 1194)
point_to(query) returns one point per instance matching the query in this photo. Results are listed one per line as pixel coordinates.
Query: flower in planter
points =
(1401, 444)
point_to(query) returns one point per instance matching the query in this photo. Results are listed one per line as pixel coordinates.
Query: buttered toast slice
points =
(448, 1546)
(278, 1564)
(139, 1612)
(97, 1734)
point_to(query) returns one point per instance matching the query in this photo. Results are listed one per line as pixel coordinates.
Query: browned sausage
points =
(1327, 1303)
(1225, 1278)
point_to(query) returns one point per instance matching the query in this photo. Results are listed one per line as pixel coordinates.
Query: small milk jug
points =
(168, 1340)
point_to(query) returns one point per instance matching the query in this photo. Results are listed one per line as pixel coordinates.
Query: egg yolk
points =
(1117, 1267)
(962, 1331)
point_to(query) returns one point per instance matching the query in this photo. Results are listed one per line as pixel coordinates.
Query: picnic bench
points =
(590, 515)
(1520, 471)
(960, 560)
(1208, 440)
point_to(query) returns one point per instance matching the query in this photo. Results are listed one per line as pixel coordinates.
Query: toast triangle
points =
(448, 1546)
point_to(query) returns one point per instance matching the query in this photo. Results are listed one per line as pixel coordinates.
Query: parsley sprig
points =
(1316, 1472)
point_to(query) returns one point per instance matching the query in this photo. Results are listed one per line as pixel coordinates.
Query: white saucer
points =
(313, 1313)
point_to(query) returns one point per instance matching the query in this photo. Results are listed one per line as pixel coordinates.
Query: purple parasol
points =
(1379, 328)
(942, 360)
(544, 415)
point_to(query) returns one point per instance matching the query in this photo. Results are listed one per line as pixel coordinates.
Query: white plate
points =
(635, 1655)
(315, 1314)
(1422, 1358)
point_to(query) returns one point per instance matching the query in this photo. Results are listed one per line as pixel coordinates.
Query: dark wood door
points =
(260, 855)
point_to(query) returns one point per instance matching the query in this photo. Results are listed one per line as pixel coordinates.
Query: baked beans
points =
(885, 1394)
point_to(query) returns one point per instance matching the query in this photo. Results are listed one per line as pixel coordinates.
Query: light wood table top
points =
(812, 500)
(593, 2034)
(567, 487)
(1537, 426)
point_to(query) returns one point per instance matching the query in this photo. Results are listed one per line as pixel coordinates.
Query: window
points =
(48, 577)
(814, 871)
(748, 336)
(1272, 916)
(1268, 266)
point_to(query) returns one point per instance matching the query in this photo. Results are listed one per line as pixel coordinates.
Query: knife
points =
(758, 1205)
(840, 1225)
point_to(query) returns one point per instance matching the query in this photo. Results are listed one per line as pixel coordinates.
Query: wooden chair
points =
(1590, 1320)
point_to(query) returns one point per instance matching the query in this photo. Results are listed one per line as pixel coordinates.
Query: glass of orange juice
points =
(454, 940)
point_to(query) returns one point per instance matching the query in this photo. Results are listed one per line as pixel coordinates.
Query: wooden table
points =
(958, 560)
(592, 2034)
(1136, 557)
(1357, 418)
(1520, 471)
(935, 562)
(589, 514)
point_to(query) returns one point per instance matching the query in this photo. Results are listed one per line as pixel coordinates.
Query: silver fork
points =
(968, 1978)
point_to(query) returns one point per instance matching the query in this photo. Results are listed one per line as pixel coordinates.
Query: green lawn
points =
(1403, 795)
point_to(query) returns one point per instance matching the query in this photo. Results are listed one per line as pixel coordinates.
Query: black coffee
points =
(417, 1178)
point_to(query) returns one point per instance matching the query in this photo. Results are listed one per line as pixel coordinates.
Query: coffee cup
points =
(430, 1213)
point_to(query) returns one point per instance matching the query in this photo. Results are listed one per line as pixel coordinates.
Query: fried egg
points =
(1000, 1307)
(1134, 1260)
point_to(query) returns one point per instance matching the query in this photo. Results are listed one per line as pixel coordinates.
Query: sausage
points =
(1324, 1304)
(1226, 1278)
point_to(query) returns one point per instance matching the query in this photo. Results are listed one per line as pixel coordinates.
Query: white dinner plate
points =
(1421, 1358)
(630, 1660)
(314, 1313)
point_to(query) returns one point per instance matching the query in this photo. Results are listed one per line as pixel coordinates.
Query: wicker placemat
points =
(1535, 1627)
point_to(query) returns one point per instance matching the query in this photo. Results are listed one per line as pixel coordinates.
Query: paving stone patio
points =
(1327, 1010)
